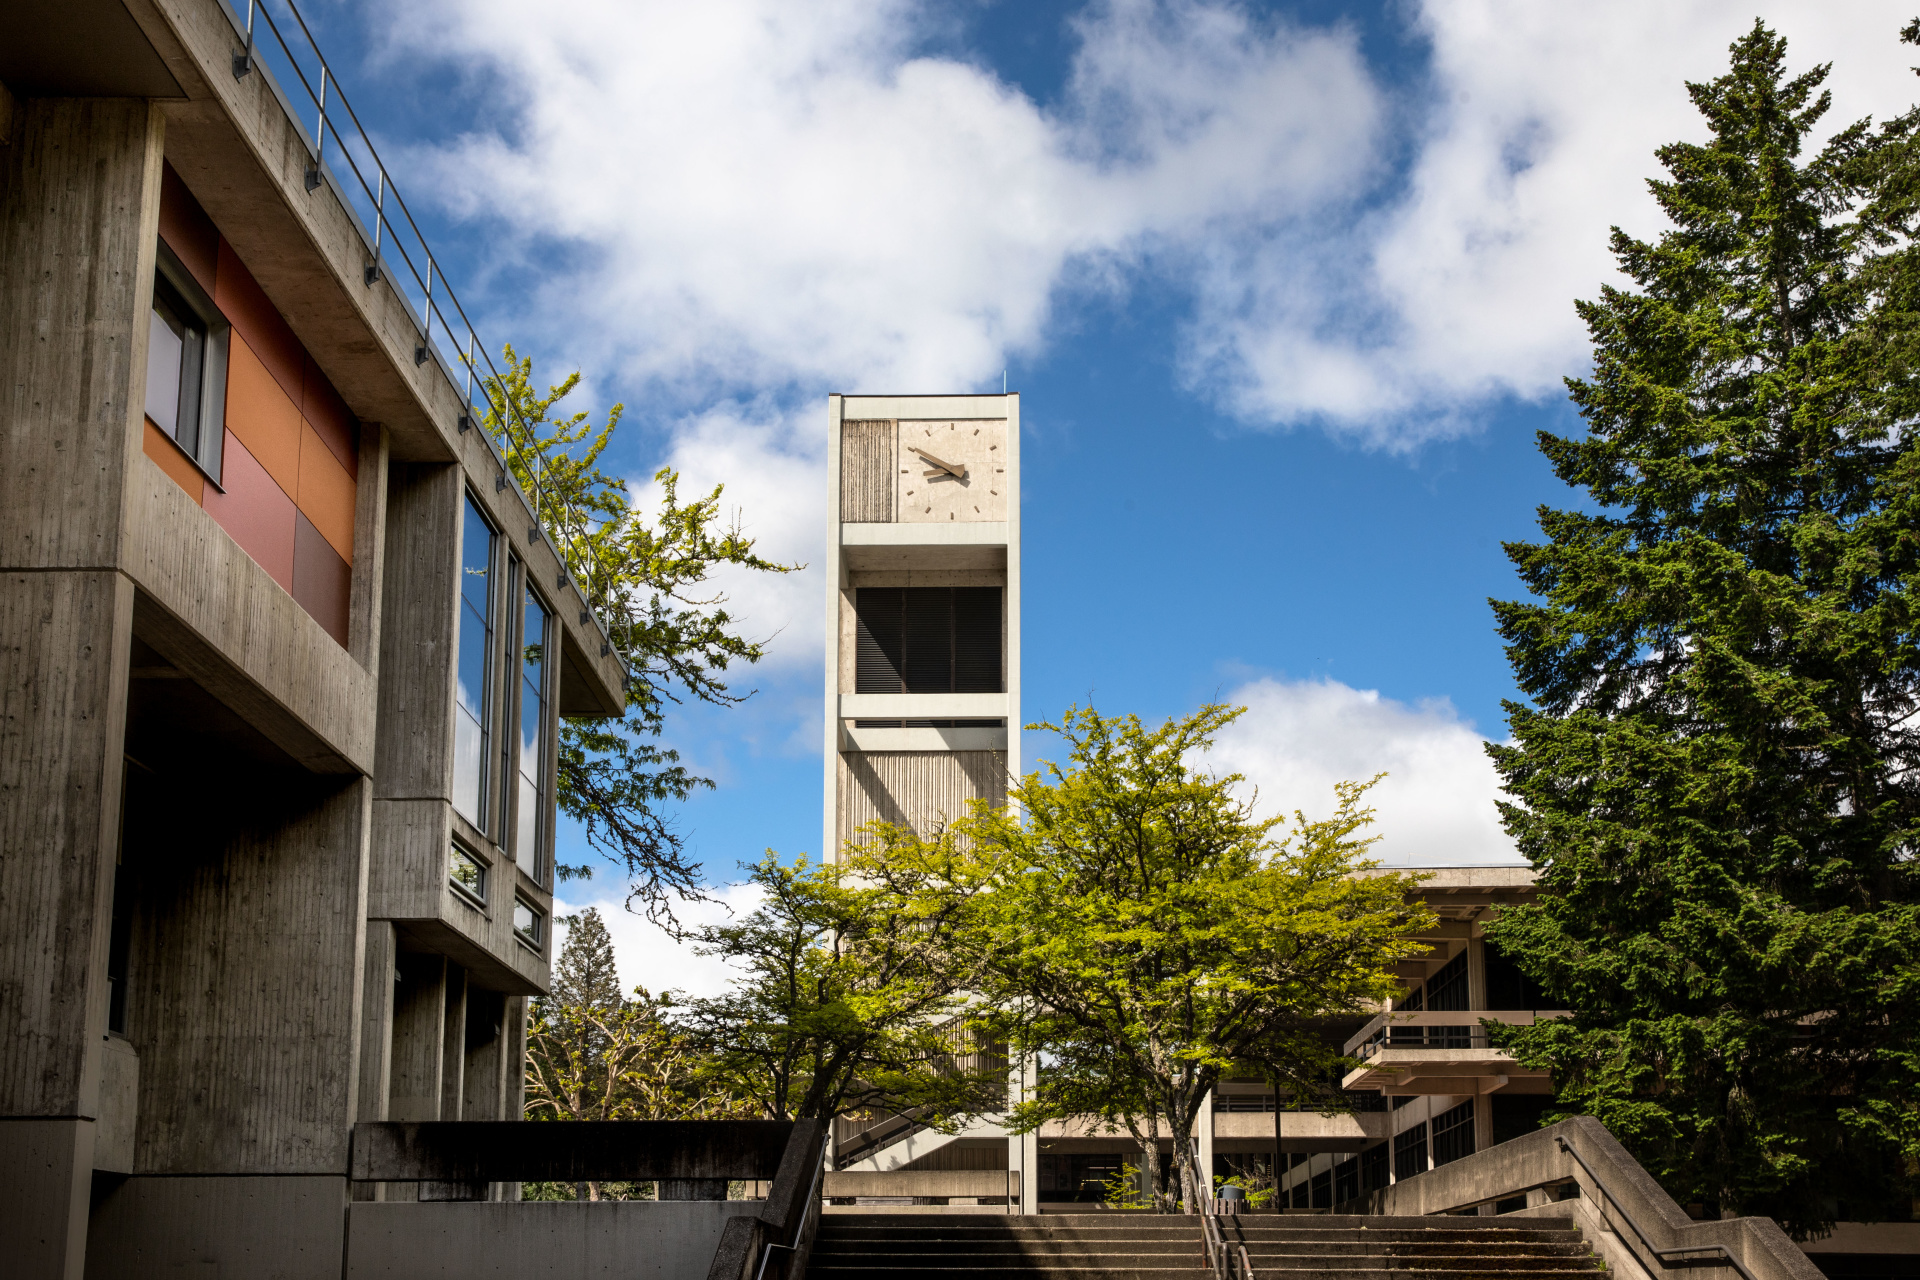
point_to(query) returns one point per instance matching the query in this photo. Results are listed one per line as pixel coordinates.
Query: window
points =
(1346, 1180)
(1447, 989)
(1453, 1134)
(529, 925)
(187, 364)
(1373, 1168)
(473, 701)
(467, 874)
(928, 640)
(533, 733)
(1410, 1152)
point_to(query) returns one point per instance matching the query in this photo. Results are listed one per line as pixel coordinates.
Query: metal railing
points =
(397, 253)
(1438, 1029)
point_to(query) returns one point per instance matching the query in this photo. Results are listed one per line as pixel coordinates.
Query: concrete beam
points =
(923, 706)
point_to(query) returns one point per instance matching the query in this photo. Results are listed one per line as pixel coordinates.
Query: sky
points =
(1287, 291)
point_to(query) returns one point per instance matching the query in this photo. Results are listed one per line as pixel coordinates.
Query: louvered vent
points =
(877, 652)
(928, 640)
(867, 479)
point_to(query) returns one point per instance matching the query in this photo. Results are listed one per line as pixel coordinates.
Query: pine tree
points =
(586, 974)
(1717, 777)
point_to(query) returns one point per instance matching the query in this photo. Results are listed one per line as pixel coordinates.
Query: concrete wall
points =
(256, 1228)
(630, 1239)
(79, 208)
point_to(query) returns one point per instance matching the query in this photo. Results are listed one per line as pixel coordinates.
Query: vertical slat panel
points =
(917, 789)
(867, 485)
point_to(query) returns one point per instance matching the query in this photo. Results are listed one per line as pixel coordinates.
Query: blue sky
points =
(1287, 291)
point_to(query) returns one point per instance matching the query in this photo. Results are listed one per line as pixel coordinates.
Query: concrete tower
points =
(923, 617)
(923, 667)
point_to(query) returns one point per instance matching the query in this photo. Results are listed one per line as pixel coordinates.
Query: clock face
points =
(952, 470)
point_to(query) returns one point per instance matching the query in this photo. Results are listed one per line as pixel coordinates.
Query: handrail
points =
(813, 1207)
(1216, 1244)
(564, 523)
(1664, 1256)
(1381, 1023)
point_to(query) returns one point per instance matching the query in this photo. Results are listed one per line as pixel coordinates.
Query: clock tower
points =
(923, 616)
(923, 670)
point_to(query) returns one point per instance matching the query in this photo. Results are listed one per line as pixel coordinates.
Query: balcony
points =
(1443, 1052)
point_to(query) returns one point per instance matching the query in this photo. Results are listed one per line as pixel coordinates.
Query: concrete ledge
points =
(1534, 1161)
(924, 706)
(221, 618)
(924, 1182)
(957, 533)
(923, 407)
(859, 739)
(478, 1240)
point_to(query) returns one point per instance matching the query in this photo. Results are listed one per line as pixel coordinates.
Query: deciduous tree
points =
(1146, 931)
(646, 575)
(850, 989)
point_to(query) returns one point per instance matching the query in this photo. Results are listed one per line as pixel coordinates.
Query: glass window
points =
(473, 703)
(186, 364)
(468, 873)
(528, 923)
(533, 734)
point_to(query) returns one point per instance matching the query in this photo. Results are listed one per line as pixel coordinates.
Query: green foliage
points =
(1716, 777)
(594, 1054)
(1258, 1190)
(645, 578)
(849, 998)
(1146, 932)
(1121, 1189)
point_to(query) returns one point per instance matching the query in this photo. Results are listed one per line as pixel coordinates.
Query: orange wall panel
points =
(253, 509)
(157, 445)
(326, 491)
(263, 415)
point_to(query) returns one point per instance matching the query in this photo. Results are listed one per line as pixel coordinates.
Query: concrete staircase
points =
(1131, 1246)
(1323, 1247)
(1085, 1246)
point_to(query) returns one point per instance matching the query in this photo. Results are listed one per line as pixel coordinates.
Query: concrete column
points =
(79, 213)
(453, 1044)
(376, 1020)
(419, 1037)
(1204, 1132)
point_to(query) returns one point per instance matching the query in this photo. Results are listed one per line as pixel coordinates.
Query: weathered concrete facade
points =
(242, 902)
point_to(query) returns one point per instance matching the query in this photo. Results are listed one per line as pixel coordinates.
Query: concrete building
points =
(284, 651)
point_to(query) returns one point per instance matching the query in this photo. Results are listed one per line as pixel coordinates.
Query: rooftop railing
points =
(1438, 1029)
(397, 254)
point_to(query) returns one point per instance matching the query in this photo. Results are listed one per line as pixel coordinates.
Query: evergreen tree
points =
(1717, 775)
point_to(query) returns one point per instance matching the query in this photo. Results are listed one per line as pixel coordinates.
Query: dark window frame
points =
(201, 388)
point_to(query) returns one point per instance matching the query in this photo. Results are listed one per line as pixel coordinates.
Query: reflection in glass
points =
(176, 351)
(467, 872)
(527, 922)
(472, 706)
(533, 720)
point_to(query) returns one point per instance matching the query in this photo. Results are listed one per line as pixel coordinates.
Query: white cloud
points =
(648, 955)
(772, 466)
(1434, 808)
(771, 198)
(767, 196)
(1535, 135)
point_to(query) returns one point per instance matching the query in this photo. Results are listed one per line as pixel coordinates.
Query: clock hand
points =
(957, 470)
